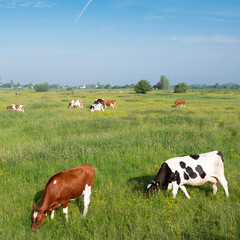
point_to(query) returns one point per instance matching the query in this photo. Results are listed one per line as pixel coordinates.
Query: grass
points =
(126, 146)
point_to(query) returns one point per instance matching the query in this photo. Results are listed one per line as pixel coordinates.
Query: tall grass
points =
(126, 146)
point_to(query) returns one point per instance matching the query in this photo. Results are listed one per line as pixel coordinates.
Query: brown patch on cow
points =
(109, 102)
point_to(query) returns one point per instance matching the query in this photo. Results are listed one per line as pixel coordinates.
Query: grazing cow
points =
(96, 107)
(75, 103)
(192, 170)
(98, 101)
(120, 91)
(109, 103)
(15, 107)
(61, 188)
(180, 102)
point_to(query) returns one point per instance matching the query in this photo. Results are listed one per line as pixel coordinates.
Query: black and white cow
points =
(193, 170)
(96, 107)
(98, 101)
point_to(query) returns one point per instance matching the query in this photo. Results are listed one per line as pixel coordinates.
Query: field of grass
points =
(126, 147)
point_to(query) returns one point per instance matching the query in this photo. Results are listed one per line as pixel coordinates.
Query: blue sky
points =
(119, 41)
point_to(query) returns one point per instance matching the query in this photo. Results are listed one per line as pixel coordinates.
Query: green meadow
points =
(126, 146)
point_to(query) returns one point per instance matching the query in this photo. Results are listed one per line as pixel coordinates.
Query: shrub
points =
(142, 87)
(180, 88)
(42, 87)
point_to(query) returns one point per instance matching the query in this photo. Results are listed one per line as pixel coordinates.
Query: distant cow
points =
(75, 103)
(96, 107)
(61, 188)
(15, 107)
(192, 170)
(120, 91)
(109, 103)
(98, 101)
(180, 102)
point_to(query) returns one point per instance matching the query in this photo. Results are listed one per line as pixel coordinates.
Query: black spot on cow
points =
(177, 177)
(195, 157)
(164, 176)
(186, 177)
(182, 164)
(191, 173)
(220, 154)
(201, 172)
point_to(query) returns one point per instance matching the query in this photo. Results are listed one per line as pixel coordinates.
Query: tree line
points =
(142, 86)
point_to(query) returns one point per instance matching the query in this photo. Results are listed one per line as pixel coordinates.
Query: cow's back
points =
(70, 183)
(207, 163)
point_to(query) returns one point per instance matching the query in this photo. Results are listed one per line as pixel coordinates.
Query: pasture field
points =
(126, 146)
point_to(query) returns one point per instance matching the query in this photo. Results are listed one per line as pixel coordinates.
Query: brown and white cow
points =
(180, 102)
(120, 91)
(61, 188)
(109, 103)
(15, 107)
(75, 103)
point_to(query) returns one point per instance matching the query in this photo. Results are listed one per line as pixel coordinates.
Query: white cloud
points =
(26, 3)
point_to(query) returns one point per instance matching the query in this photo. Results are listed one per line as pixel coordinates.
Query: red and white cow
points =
(61, 188)
(192, 170)
(15, 107)
(180, 102)
(109, 103)
(75, 103)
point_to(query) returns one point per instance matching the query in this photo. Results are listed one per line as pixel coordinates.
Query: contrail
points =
(81, 13)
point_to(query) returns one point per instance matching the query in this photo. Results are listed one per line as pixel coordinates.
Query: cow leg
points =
(224, 183)
(175, 187)
(185, 191)
(86, 199)
(52, 214)
(214, 183)
(169, 186)
(65, 212)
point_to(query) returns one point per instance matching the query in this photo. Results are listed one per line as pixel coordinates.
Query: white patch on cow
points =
(52, 215)
(149, 185)
(55, 181)
(169, 186)
(73, 199)
(65, 212)
(35, 214)
(86, 198)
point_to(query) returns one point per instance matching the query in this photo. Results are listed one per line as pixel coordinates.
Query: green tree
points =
(180, 88)
(107, 86)
(162, 84)
(42, 87)
(142, 86)
(55, 86)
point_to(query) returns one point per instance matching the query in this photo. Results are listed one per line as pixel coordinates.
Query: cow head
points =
(152, 186)
(38, 217)
(92, 108)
